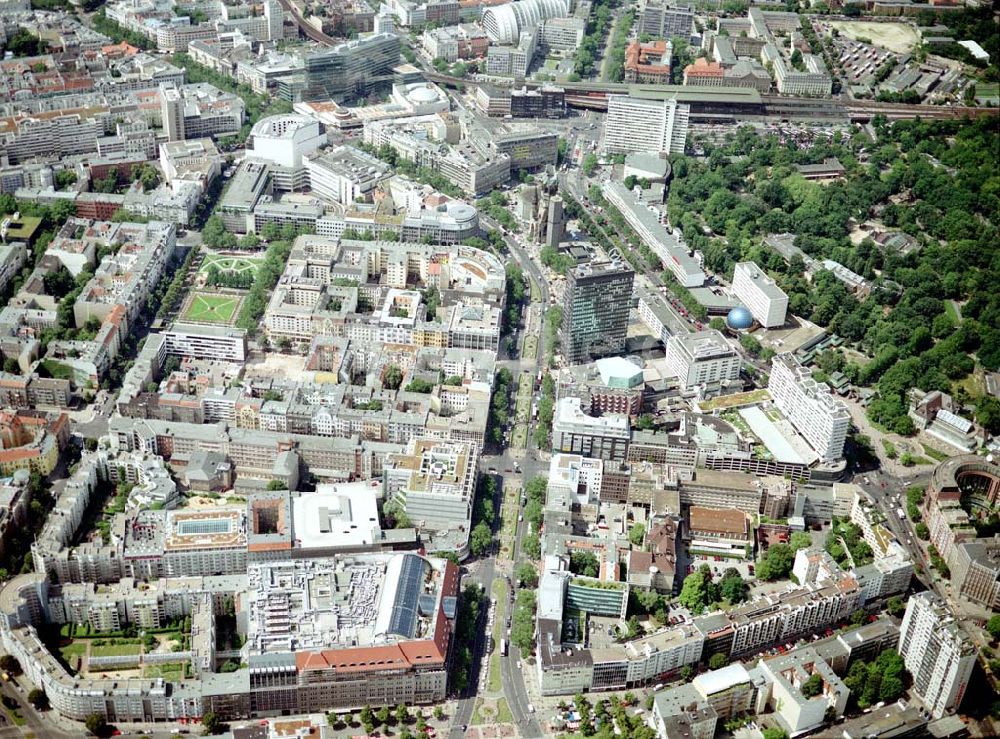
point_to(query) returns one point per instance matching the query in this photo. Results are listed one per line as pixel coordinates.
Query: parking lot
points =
(719, 565)
(686, 564)
(860, 61)
(603, 631)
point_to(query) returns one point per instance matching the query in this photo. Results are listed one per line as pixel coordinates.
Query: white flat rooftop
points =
(717, 681)
(768, 431)
(342, 515)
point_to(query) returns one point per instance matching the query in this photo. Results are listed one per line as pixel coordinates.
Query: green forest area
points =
(935, 181)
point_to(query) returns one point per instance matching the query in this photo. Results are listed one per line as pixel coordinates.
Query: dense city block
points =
(496, 368)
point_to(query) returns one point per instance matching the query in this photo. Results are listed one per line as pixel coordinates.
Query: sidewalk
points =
(546, 706)
(903, 445)
(440, 728)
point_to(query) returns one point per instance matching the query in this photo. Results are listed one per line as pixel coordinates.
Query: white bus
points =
(503, 647)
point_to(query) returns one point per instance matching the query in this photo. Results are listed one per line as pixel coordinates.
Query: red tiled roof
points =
(125, 48)
(703, 68)
(641, 57)
(370, 659)
(11, 455)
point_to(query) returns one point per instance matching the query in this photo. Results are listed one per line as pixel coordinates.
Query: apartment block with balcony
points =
(822, 419)
(937, 652)
(767, 302)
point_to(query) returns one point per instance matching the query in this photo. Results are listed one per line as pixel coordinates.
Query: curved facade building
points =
(504, 23)
(976, 480)
(460, 215)
(282, 140)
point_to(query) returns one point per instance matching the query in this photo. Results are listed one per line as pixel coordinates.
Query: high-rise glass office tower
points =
(595, 310)
(350, 69)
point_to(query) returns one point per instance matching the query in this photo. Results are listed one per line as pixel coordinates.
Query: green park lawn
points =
(229, 264)
(71, 652)
(209, 308)
(169, 671)
(115, 650)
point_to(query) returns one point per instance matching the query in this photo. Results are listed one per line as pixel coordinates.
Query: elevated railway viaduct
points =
(708, 104)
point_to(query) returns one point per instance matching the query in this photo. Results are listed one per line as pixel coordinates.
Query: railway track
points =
(593, 95)
(308, 30)
(866, 109)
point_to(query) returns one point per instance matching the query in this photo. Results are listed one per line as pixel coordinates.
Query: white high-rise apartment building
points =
(821, 418)
(702, 358)
(938, 654)
(172, 112)
(647, 126)
(275, 16)
(760, 294)
(385, 22)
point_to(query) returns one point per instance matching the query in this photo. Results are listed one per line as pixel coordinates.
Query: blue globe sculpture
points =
(739, 319)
